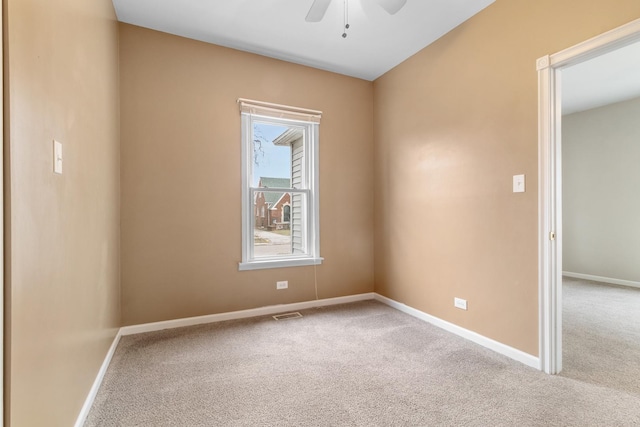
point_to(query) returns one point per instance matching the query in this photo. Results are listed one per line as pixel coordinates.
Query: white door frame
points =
(550, 182)
(4, 284)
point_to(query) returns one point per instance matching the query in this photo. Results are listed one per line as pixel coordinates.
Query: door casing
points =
(550, 182)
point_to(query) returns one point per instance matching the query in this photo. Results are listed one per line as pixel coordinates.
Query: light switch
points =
(57, 157)
(518, 183)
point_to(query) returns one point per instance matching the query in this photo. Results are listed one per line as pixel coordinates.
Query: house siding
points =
(297, 208)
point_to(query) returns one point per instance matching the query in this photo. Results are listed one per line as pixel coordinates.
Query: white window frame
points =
(309, 120)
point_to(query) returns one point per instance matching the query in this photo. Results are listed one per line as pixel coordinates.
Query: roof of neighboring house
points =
(274, 206)
(274, 182)
(266, 182)
(288, 137)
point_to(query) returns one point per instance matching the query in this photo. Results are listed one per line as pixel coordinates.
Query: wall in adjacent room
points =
(62, 231)
(181, 182)
(452, 125)
(600, 200)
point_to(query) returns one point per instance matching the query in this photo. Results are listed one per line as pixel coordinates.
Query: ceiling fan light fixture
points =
(317, 10)
(392, 6)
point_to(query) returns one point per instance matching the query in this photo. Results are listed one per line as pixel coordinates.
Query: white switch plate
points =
(57, 157)
(518, 183)
(460, 303)
(282, 285)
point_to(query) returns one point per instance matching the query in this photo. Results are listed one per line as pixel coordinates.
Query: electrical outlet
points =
(460, 303)
(282, 285)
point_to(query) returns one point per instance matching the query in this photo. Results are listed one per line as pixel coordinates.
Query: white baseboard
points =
(82, 417)
(177, 323)
(602, 279)
(511, 352)
(242, 314)
(496, 346)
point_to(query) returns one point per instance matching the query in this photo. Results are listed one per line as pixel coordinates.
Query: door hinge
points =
(552, 235)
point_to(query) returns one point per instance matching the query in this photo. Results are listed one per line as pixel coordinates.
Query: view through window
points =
(278, 156)
(280, 199)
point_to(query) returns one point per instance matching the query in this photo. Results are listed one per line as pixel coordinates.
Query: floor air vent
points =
(286, 316)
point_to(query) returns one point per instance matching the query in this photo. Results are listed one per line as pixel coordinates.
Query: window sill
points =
(278, 263)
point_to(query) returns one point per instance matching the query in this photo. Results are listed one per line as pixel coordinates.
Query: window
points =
(280, 173)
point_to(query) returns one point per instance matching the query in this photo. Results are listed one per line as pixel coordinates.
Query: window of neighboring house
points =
(262, 213)
(280, 162)
(286, 213)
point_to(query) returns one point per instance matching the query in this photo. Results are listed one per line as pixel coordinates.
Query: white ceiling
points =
(606, 79)
(376, 41)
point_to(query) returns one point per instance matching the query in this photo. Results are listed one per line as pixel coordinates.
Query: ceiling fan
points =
(319, 8)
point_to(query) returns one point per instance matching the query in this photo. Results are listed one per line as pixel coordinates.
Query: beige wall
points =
(62, 280)
(600, 202)
(452, 125)
(181, 198)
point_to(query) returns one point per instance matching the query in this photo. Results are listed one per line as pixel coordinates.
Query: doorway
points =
(550, 182)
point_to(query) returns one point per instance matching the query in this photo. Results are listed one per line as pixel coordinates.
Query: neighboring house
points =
(294, 138)
(273, 210)
(283, 211)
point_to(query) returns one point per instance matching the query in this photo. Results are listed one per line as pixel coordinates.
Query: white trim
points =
(496, 346)
(178, 323)
(550, 184)
(549, 198)
(311, 241)
(82, 417)
(248, 221)
(596, 46)
(242, 314)
(278, 263)
(2, 222)
(602, 279)
(251, 106)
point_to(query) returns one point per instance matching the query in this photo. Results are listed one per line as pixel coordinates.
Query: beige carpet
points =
(601, 328)
(362, 364)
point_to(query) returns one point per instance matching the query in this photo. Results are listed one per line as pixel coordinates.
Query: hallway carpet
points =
(601, 328)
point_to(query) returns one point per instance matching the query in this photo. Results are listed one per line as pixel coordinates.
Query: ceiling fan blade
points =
(392, 6)
(317, 10)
